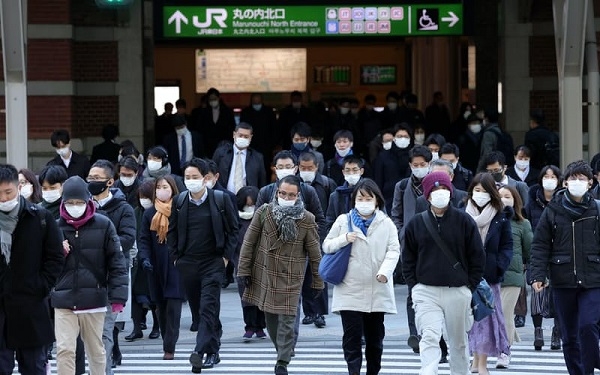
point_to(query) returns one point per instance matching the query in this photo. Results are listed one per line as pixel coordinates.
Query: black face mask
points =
(97, 187)
(498, 176)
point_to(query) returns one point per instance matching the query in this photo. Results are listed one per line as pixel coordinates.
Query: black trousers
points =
(169, 317)
(253, 318)
(355, 324)
(202, 280)
(310, 305)
(32, 361)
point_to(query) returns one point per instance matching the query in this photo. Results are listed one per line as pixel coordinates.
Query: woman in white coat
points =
(367, 291)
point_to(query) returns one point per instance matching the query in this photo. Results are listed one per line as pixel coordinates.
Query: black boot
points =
(555, 343)
(538, 340)
(116, 352)
(155, 326)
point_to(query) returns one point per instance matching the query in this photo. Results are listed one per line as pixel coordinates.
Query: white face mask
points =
(344, 110)
(522, 164)
(146, 203)
(63, 152)
(296, 105)
(439, 198)
(210, 184)
(402, 142)
(467, 114)
(508, 202)
(549, 184)
(387, 145)
(420, 137)
(481, 198)
(154, 165)
(51, 196)
(454, 165)
(392, 106)
(9, 205)
(343, 153)
(307, 176)
(127, 181)
(284, 203)
(181, 131)
(75, 210)
(246, 215)
(420, 172)
(194, 186)
(213, 103)
(475, 128)
(435, 156)
(26, 191)
(352, 179)
(577, 188)
(242, 143)
(365, 208)
(315, 143)
(281, 173)
(257, 107)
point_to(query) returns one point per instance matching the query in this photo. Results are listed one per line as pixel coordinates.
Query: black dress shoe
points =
(211, 360)
(196, 370)
(154, 334)
(117, 360)
(143, 326)
(194, 327)
(134, 336)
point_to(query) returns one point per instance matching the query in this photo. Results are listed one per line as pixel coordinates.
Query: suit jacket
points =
(172, 146)
(530, 180)
(213, 133)
(521, 187)
(107, 151)
(79, 165)
(255, 166)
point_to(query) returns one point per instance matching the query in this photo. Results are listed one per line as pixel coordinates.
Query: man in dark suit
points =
(250, 171)
(216, 122)
(182, 145)
(264, 127)
(75, 164)
(109, 149)
(291, 115)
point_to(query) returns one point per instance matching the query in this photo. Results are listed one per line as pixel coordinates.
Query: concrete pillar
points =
(130, 87)
(514, 71)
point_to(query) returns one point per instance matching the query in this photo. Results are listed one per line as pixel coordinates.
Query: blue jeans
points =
(578, 313)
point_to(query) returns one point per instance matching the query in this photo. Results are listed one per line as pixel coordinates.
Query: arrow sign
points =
(453, 19)
(178, 18)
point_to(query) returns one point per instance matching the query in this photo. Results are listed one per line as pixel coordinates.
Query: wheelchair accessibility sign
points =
(428, 19)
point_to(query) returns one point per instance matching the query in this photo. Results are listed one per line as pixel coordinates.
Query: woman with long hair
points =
(29, 186)
(167, 286)
(488, 336)
(513, 278)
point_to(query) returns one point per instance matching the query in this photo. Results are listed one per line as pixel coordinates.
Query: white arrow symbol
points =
(178, 18)
(452, 19)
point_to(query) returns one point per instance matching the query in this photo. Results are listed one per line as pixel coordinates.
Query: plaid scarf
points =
(358, 221)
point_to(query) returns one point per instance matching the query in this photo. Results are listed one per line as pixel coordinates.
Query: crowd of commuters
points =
(275, 193)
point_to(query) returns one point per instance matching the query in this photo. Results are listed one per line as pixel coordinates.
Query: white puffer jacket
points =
(371, 255)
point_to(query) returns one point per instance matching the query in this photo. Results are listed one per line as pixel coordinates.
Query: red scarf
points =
(78, 222)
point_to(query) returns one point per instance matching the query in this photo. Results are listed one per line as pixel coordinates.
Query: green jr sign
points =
(311, 21)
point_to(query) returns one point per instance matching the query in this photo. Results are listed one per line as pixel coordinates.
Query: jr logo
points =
(219, 15)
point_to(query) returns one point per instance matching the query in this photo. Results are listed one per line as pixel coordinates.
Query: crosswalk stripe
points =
(259, 358)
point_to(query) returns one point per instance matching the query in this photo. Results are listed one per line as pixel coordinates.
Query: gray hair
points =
(442, 163)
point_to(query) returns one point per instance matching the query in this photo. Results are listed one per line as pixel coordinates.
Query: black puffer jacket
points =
(122, 216)
(564, 250)
(94, 273)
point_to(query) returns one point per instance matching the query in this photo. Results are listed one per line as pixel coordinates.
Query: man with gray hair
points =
(458, 198)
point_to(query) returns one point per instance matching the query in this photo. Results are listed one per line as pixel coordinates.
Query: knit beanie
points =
(75, 188)
(435, 179)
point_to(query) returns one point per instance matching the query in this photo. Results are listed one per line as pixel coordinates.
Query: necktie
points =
(183, 151)
(238, 177)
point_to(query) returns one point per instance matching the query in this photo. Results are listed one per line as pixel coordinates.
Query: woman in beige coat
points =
(272, 264)
(367, 291)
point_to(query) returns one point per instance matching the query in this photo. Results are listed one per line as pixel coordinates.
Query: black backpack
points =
(504, 144)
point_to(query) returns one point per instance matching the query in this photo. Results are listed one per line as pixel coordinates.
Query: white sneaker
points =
(503, 361)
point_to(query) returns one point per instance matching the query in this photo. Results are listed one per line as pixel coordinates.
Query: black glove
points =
(245, 280)
(317, 293)
(147, 266)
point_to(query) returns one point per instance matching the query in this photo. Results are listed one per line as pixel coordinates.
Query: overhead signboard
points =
(311, 21)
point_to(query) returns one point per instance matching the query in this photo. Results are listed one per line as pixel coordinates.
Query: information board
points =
(251, 70)
(310, 21)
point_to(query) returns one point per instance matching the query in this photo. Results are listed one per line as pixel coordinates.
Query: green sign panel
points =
(312, 21)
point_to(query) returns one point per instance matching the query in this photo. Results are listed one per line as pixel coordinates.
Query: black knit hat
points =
(75, 188)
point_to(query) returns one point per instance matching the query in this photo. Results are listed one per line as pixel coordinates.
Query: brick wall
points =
(542, 56)
(96, 61)
(91, 113)
(49, 11)
(45, 114)
(49, 60)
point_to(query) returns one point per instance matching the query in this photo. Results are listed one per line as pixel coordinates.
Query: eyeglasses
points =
(497, 170)
(284, 195)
